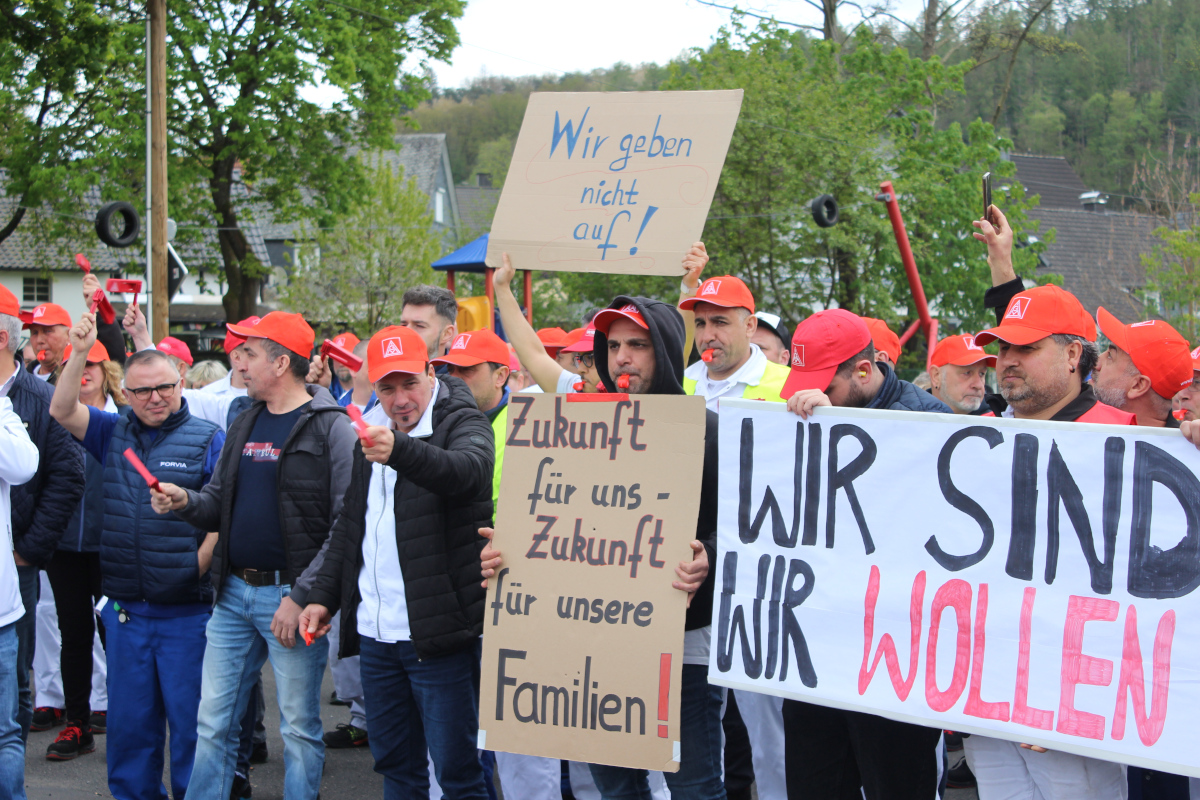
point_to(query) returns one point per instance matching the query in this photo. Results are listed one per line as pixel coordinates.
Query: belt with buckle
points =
(254, 577)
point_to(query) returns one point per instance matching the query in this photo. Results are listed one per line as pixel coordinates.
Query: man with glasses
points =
(155, 568)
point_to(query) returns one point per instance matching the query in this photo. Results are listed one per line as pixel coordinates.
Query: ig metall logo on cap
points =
(392, 346)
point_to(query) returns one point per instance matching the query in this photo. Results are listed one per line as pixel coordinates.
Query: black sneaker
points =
(45, 718)
(241, 788)
(75, 740)
(334, 700)
(258, 754)
(98, 721)
(345, 736)
(960, 777)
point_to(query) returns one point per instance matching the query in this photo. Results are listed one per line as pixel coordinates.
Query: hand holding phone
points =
(987, 198)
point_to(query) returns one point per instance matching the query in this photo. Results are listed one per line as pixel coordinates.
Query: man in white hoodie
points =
(18, 463)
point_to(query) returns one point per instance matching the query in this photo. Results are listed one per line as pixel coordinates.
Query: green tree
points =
(814, 121)
(354, 273)
(65, 68)
(241, 75)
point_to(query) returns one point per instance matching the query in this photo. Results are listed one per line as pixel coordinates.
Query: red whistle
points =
(151, 481)
(706, 356)
(82, 262)
(341, 355)
(577, 386)
(41, 356)
(622, 381)
(124, 286)
(360, 424)
(1179, 414)
(100, 301)
(309, 638)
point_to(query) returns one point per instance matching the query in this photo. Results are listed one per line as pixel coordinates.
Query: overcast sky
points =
(524, 37)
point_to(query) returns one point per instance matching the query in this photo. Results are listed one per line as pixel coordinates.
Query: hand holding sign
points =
(616, 182)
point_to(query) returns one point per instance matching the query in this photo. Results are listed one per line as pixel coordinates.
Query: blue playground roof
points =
(468, 258)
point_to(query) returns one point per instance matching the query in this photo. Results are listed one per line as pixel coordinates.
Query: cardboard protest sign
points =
(583, 633)
(613, 182)
(1032, 581)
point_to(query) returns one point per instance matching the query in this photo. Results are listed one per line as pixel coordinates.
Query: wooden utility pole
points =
(159, 294)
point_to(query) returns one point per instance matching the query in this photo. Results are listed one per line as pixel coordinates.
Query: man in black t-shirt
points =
(278, 487)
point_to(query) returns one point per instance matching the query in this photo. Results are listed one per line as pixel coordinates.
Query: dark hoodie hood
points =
(667, 333)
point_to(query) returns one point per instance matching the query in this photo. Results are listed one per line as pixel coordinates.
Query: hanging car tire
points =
(128, 234)
(825, 211)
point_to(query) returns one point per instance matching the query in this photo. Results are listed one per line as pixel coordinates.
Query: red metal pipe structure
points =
(488, 290)
(925, 320)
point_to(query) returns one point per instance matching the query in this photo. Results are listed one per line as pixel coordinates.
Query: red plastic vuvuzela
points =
(82, 262)
(360, 424)
(341, 355)
(151, 481)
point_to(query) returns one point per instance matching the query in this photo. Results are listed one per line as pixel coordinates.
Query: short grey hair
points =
(12, 325)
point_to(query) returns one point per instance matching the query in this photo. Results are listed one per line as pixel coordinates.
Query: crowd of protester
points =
(275, 531)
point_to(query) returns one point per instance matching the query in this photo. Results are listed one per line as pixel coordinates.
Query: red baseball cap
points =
(282, 328)
(604, 320)
(1156, 349)
(885, 338)
(173, 347)
(1037, 313)
(514, 363)
(346, 340)
(1196, 359)
(820, 344)
(959, 351)
(583, 344)
(725, 291)
(232, 340)
(48, 314)
(397, 349)
(97, 354)
(9, 304)
(474, 348)
(554, 339)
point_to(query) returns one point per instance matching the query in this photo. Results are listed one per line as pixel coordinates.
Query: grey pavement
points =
(348, 773)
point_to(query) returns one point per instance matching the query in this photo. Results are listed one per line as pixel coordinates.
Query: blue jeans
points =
(26, 631)
(153, 683)
(12, 746)
(418, 706)
(699, 775)
(239, 642)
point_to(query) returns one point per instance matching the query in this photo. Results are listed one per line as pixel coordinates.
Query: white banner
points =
(1032, 581)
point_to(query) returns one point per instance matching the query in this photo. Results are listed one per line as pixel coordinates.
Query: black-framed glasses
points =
(586, 359)
(165, 391)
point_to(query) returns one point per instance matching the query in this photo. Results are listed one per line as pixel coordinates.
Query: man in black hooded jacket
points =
(400, 566)
(643, 340)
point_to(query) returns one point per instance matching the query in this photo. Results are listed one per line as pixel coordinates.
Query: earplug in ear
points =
(862, 373)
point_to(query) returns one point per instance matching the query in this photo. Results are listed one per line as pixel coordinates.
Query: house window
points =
(439, 207)
(35, 290)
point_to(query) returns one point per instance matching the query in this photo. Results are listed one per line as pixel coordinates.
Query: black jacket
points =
(443, 497)
(42, 507)
(901, 395)
(314, 473)
(667, 333)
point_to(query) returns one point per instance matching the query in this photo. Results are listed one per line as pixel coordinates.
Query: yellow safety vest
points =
(499, 424)
(769, 388)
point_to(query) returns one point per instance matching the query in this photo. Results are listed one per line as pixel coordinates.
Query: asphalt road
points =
(348, 773)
